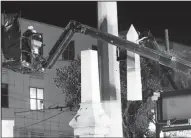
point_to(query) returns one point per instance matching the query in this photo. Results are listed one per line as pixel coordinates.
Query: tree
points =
(68, 79)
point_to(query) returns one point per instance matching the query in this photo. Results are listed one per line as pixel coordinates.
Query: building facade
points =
(25, 95)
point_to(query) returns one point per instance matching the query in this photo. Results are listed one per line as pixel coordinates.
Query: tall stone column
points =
(109, 68)
(90, 120)
(134, 84)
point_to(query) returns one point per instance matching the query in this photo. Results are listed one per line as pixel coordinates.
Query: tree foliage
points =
(68, 79)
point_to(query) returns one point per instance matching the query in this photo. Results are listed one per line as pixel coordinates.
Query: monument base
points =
(90, 121)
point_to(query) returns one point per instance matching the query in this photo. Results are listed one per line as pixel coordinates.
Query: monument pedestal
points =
(90, 120)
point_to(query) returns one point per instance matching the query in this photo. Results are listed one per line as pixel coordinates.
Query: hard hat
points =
(30, 27)
(34, 31)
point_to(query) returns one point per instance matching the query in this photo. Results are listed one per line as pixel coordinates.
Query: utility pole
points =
(158, 130)
(0, 102)
(158, 126)
(3, 20)
(167, 41)
(109, 68)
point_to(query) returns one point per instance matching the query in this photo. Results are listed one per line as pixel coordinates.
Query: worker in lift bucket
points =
(26, 44)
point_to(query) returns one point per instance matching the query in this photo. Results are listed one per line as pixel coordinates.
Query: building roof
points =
(43, 23)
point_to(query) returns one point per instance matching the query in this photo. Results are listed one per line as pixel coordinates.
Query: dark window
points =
(36, 98)
(41, 51)
(94, 47)
(121, 54)
(4, 96)
(69, 53)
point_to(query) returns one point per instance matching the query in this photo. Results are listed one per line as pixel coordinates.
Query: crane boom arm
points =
(73, 27)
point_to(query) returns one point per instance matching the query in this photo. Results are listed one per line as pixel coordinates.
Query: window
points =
(4, 96)
(94, 47)
(69, 53)
(36, 98)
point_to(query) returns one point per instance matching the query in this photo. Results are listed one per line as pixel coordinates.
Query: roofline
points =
(171, 41)
(38, 22)
(42, 23)
(120, 33)
(59, 26)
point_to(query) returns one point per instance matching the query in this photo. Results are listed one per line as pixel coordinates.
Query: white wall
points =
(7, 128)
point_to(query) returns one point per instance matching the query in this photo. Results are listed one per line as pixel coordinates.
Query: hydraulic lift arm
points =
(73, 27)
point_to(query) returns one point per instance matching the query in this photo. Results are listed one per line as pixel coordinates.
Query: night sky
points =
(156, 16)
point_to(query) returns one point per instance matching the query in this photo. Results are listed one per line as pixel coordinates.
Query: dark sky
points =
(156, 16)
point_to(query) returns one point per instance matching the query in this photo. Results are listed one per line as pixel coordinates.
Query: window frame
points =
(36, 99)
(94, 47)
(7, 97)
(68, 50)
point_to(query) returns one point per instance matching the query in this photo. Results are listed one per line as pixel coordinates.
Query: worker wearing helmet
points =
(26, 48)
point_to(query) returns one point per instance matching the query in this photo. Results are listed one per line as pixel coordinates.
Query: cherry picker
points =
(38, 63)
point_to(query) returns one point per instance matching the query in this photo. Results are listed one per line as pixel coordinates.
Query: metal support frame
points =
(176, 128)
(159, 117)
(174, 124)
